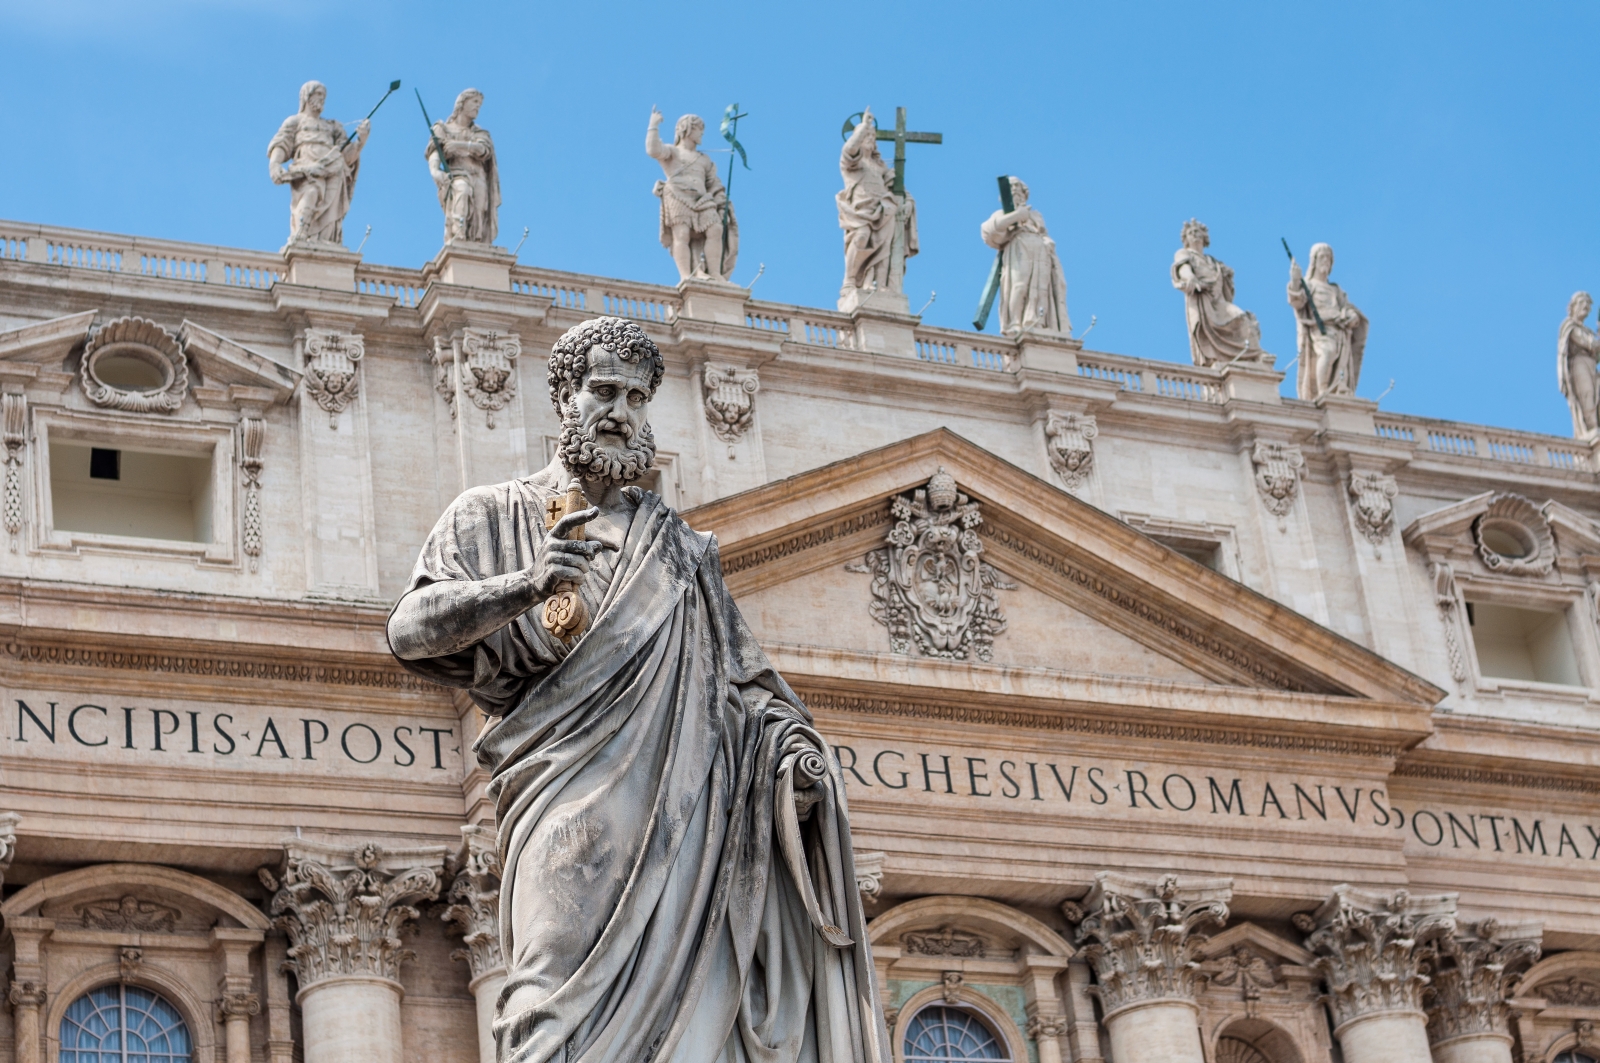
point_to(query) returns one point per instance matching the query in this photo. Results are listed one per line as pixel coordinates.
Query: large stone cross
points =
(901, 138)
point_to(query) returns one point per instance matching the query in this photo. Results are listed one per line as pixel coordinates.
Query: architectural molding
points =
(67, 656)
(475, 902)
(332, 363)
(135, 339)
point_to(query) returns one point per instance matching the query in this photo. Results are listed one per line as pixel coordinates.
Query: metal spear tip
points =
(393, 85)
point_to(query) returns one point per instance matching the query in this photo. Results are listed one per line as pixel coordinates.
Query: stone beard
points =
(678, 880)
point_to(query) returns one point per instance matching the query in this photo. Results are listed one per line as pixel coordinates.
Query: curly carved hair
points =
(569, 357)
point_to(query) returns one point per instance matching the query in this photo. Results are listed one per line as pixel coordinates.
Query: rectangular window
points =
(1207, 553)
(1528, 644)
(143, 494)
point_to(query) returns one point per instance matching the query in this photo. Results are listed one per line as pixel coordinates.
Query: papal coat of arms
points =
(930, 585)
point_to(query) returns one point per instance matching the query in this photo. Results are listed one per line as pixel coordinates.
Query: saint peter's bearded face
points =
(605, 427)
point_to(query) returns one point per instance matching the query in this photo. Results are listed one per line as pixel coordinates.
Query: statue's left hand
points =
(361, 131)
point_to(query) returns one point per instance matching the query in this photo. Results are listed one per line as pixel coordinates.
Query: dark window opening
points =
(105, 464)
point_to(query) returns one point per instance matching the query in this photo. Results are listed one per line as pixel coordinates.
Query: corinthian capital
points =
(1140, 935)
(1474, 971)
(344, 909)
(475, 902)
(1371, 947)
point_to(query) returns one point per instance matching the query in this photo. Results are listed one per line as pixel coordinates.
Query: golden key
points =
(564, 614)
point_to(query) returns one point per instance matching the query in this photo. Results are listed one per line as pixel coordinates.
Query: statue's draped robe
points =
(868, 210)
(1219, 332)
(1577, 349)
(1033, 289)
(1330, 362)
(470, 192)
(322, 180)
(650, 908)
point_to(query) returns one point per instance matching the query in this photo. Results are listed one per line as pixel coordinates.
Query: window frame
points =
(1546, 599)
(122, 987)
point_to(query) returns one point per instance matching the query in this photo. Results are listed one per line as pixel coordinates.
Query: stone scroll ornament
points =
(730, 400)
(331, 359)
(483, 361)
(111, 353)
(930, 585)
(1278, 468)
(1372, 496)
(1070, 441)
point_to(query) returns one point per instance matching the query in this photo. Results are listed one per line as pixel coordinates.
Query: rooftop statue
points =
(880, 227)
(697, 222)
(1330, 332)
(1033, 289)
(461, 158)
(1577, 348)
(678, 878)
(1219, 332)
(322, 161)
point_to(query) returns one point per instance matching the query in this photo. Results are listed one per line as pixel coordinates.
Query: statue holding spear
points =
(318, 160)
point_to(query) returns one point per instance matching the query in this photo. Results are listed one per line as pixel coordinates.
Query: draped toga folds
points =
(867, 210)
(1033, 289)
(661, 900)
(1219, 332)
(322, 179)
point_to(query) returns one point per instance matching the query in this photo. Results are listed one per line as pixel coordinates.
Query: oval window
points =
(129, 372)
(1507, 539)
(124, 1024)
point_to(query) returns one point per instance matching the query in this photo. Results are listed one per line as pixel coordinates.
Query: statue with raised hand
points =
(461, 158)
(1331, 332)
(318, 161)
(697, 220)
(678, 877)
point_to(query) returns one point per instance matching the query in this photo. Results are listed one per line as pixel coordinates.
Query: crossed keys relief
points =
(930, 585)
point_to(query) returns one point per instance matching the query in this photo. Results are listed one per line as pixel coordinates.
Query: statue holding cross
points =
(878, 216)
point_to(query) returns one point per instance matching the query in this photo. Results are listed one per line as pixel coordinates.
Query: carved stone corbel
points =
(951, 986)
(343, 911)
(730, 400)
(869, 874)
(332, 361)
(129, 960)
(1142, 938)
(1474, 972)
(15, 418)
(1371, 948)
(8, 841)
(1069, 440)
(482, 362)
(1372, 496)
(475, 903)
(1278, 467)
(252, 433)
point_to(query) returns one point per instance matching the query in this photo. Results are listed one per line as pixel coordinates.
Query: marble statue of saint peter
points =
(678, 884)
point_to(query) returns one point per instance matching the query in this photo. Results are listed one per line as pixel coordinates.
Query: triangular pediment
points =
(1087, 594)
(224, 363)
(46, 342)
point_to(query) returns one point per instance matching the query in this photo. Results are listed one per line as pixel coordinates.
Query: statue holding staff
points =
(869, 214)
(693, 202)
(461, 158)
(1332, 333)
(1577, 349)
(678, 876)
(318, 161)
(1033, 289)
(1219, 332)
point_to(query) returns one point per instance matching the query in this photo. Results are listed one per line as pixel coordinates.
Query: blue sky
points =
(1447, 151)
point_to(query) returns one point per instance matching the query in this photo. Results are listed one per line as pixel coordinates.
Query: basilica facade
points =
(1180, 720)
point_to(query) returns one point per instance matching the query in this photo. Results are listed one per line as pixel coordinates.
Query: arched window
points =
(124, 1024)
(1572, 1055)
(950, 1035)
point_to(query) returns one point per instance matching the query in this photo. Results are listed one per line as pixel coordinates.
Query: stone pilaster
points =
(1371, 947)
(8, 841)
(1474, 971)
(1140, 936)
(343, 911)
(475, 909)
(27, 993)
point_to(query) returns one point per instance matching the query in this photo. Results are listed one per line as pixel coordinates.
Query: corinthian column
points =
(475, 909)
(1370, 947)
(1139, 936)
(343, 911)
(1474, 971)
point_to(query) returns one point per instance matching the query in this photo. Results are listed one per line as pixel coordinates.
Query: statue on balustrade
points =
(461, 159)
(1219, 332)
(1033, 289)
(880, 227)
(678, 878)
(1577, 350)
(697, 222)
(318, 161)
(1331, 332)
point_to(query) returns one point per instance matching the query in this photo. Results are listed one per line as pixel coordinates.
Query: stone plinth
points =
(713, 300)
(1252, 381)
(1346, 413)
(470, 265)
(320, 265)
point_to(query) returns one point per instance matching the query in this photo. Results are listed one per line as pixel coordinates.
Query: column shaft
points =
(1387, 1037)
(1160, 1030)
(237, 1034)
(486, 991)
(352, 1020)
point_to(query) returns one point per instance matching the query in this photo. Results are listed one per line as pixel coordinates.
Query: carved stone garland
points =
(331, 361)
(475, 904)
(251, 435)
(347, 922)
(1474, 972)
(1069, 439)
(484, 361)
(730, 400)
(14, 408)
(1570, 993)
(1372, 497)
(1444, 596)
(1144, 947)
(1278, 468)
(947, 941)
(1367, 948)
(930, 584)
(134, 338)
